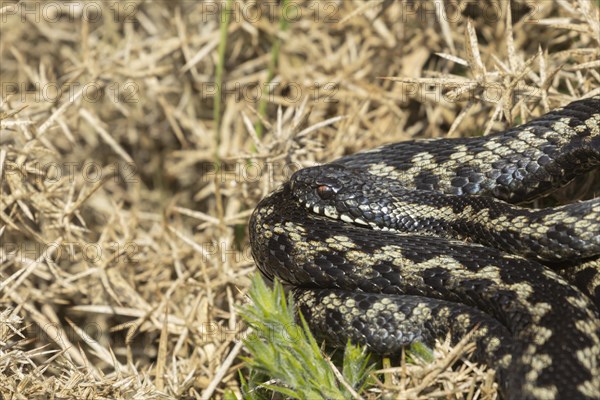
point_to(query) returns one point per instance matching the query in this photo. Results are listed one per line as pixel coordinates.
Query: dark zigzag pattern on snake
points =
(353, 280)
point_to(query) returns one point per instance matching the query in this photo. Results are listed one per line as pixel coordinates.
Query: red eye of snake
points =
(325, 192)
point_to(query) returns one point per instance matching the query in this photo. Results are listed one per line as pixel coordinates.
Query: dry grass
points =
(123, 205)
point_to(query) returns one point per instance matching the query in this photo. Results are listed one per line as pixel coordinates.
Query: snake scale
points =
(417, 239)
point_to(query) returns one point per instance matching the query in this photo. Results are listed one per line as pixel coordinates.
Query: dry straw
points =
(124, 252)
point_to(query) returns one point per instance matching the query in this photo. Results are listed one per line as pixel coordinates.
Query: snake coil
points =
(417, 239)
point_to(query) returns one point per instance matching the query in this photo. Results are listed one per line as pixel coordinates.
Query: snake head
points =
(338, 192)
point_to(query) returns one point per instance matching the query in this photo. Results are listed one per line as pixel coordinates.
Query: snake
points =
(420, 239)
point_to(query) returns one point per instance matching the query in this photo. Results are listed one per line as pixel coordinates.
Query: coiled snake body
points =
(416, 239)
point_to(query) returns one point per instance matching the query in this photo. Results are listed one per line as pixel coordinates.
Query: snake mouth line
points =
(331, 212)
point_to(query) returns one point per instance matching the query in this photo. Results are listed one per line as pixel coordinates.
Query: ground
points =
(137, 136)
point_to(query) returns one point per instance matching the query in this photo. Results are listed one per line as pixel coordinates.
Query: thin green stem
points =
(273, 63)
(224, 25)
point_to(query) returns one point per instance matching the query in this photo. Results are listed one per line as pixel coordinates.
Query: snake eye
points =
(325, 192)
